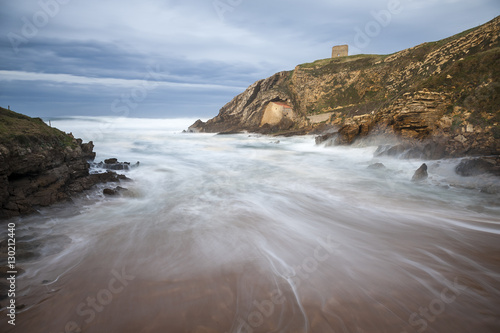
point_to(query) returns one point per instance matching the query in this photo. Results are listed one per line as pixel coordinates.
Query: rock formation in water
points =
(441, 99)
(40, 165)
(420, 173)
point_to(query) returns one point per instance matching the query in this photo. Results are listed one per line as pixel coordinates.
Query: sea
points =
(253, 233)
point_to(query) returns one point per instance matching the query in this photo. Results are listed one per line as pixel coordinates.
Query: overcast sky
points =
(173, 58)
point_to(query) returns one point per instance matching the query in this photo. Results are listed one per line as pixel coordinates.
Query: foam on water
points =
(213, 225)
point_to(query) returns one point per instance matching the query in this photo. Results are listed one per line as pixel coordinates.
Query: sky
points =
(179, 59)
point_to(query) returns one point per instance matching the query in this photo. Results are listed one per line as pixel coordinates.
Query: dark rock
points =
(108, 191)
(420, 174)
(478, 166)
(229, 132)
(408, 150)
(123, 178)
(116, 191)
(434, 150)
(40, 165)
(114, 164)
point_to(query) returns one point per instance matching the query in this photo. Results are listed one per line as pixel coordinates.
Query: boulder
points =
(114, 164)
(477, 166)
(420, 174)
(114, 191)
(109, 191)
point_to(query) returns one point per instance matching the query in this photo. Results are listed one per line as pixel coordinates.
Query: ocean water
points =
(249, 233)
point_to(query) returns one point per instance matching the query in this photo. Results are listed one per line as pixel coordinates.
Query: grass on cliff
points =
(342, 60)
(474, 84)
(16, 128)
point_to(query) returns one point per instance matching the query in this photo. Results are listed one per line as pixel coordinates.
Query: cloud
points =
(206, 54)
(152, 78)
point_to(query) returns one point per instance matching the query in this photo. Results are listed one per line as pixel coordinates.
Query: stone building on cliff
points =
(340, 51)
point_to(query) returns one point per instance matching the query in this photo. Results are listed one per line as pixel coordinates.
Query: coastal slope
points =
(444, 95)
(41, 165)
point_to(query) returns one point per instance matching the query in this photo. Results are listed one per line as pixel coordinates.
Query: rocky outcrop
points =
(40, 165)
(114, 191)
(478, 166)
(246, 110)
(440, 99)
(114, 164)
(420, 174)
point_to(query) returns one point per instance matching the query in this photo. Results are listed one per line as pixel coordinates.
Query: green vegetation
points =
(27, 131)
(452, 38)
(336, 65)
(473, 83)
(456, 123)
(342, 60)
(359, 84)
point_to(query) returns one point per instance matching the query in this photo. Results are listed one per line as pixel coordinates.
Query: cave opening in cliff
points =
(275, 111)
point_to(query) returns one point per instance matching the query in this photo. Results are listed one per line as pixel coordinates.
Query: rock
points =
(116, 191)
(422, 150)
(196, 127)
(326, 138)
(420, 174)
(408, 94)
(391, 150)
(477, 166)
(377, 166)
(230, 132)
(114, 164)
(108, 191)
(40, 165)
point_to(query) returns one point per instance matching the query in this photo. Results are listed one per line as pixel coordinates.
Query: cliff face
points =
(446, 92)
(245, 111)
(40, 165)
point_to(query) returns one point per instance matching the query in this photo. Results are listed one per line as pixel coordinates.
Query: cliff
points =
(444, 94)
(40, 165)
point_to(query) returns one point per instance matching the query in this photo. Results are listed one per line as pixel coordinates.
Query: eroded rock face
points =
(444, 95)
(245, 111)
(416, 115)
(45, 176)
(43, 167)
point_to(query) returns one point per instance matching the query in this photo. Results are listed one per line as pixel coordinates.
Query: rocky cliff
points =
(444, 94)
(40, 165)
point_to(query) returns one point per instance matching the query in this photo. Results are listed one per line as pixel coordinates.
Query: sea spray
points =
(227, 233)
